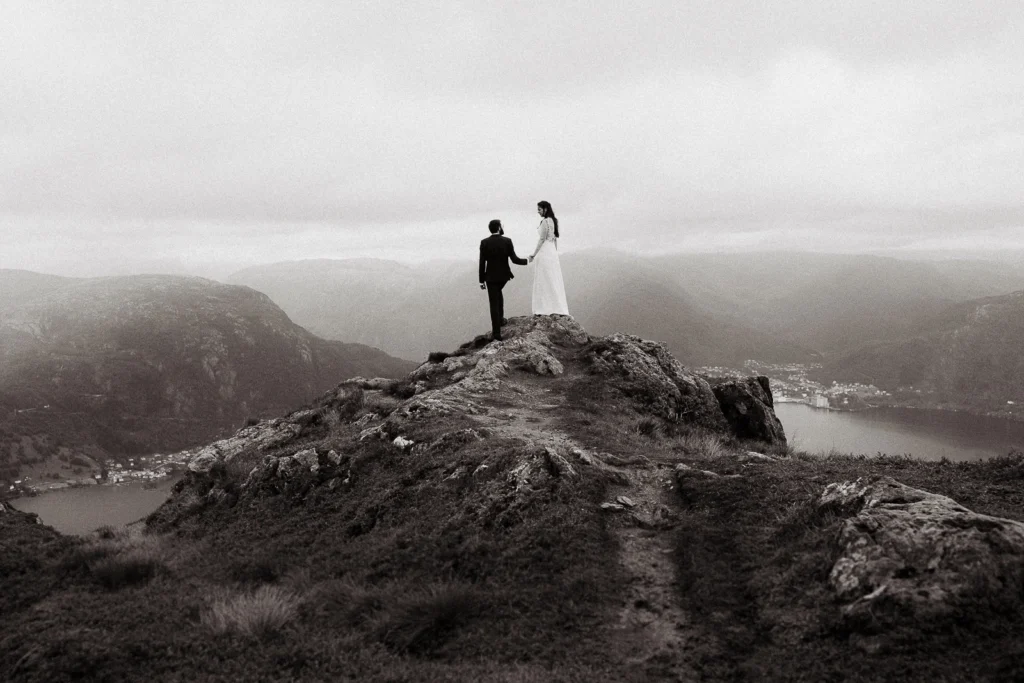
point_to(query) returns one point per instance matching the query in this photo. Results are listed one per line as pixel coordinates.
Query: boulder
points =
(203, 463)
(907, 555)
(748, 407)
(308, 459)
(531, 353)
(402, 443)
(655, 381)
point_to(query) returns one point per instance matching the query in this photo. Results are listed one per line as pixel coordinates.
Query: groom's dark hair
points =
(494, 226)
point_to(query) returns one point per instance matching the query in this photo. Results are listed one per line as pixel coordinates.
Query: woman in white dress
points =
(548, 287)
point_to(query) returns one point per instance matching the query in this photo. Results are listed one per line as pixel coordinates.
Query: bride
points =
(548, 288)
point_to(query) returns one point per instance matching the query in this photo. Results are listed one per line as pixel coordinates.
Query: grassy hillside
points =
(541, 532)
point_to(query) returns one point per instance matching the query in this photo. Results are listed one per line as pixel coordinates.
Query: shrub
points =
(437, 356)
(255, 570)
(381, 404)
(131, 568)
(116, 559)
(401, 388)
(647, 426)
(107, 532)
(260, 614)
(348, 399)
(425, 620)
(355, 604)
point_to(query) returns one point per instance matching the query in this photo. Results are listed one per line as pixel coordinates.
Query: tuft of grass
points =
(437, 356)
(260, 614)
(647, 426)
(701, 444)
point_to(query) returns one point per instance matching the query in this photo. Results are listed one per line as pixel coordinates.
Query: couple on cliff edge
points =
(548, 288)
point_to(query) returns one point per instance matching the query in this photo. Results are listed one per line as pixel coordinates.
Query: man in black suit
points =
(495, 252)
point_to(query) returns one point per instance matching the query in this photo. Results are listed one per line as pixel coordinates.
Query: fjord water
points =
(923, 434)
(81, 510)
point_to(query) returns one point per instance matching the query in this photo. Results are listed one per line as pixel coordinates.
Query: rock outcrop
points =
(275, 455)
(748, 407)
(906, 555)
(655, 381)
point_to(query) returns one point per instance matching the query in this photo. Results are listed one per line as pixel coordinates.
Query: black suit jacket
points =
(495, 252)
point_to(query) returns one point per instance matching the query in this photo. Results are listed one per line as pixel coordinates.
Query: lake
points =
(81, 510)
(924, 434)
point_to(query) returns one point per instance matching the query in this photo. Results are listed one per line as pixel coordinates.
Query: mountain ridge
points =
(966, 356)
(121, 365)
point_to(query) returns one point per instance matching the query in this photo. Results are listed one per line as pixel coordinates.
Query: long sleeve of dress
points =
(545, 230)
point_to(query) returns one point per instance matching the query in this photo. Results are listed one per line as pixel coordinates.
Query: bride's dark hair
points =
(549, 213)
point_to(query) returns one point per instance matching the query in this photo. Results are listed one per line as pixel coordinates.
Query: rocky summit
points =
(555, 506)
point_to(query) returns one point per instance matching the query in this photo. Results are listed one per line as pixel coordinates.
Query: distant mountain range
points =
(122, 365)
(969, 355)
(410, 311)
(832, 302)
(708, 308)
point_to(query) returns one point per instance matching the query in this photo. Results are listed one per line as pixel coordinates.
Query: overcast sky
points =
(199, 136)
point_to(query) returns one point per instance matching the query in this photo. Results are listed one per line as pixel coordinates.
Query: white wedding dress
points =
(548, 287)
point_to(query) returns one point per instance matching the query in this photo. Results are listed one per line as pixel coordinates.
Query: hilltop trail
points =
(650, 632)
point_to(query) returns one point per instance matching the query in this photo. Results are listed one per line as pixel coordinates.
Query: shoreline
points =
(978, 412)
(35, 491)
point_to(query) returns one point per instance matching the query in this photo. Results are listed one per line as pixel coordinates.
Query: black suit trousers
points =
(497, 301)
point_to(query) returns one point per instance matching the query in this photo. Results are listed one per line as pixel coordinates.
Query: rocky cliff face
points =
(163, 359)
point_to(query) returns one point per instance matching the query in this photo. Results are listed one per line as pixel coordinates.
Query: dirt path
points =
(657, 639)
(656, 636)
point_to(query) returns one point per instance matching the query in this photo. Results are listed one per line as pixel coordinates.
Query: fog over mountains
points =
(709, 309)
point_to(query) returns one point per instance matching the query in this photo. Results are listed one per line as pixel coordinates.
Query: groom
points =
(495, 252)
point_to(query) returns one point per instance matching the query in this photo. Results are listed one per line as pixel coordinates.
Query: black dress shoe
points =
(498, 338)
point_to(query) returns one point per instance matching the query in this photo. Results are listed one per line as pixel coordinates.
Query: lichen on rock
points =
(907, 554)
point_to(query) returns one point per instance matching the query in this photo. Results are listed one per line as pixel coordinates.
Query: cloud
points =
(260, 129)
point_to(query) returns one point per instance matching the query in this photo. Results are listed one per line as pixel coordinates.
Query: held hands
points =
(529, 259)
(483, 286)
